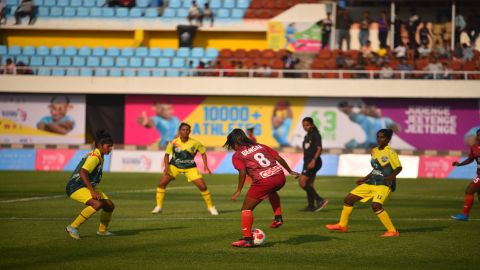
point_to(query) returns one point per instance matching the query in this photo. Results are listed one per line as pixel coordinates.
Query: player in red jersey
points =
(474, 186)
(260, 163)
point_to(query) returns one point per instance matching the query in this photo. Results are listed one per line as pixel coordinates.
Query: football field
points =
(34, 211)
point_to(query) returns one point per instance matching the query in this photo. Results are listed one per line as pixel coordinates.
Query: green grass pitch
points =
(34, 212)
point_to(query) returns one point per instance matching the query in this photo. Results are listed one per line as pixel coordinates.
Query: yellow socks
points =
(385, 219)
(104, 220)
(347, 210)
(84, 215)
(160, 196)
(207, 198)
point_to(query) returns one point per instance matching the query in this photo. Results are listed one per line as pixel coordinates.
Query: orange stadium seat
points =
(250, 14)
(277, 64)
(268, 53)
(280, 53)
(282, 4)
(254, 53)
(240, 54)
(268, 4)
(225, 53)
(324, 54)
(264, 14)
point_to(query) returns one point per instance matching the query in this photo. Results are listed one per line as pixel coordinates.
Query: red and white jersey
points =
(475, 154)
(258, 160)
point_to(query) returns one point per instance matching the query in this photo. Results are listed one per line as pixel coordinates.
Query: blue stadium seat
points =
(155, 52)
(107, 61)
(86, 72)
(163, 62)
(3, 50)
(98, 51)
(188, 3)
(69, 12)
(174, 3)
(73, 72)
(172, 73)
(182, 13)
(22, 58)
(64, 61)
(158, 73)
(197, 52)
(151, 12)
(37, 2)
(58, 72)
(5, 57)
(84, 51)
(128, 72)
(211, 53)
(95, 12)
(43, 11)
(36, 61)
(101, 72)
(50, 61)
(141, 51)
(149, 62)
(93, 61)
(228, 3)
(144, 73)
(70, 51)
(169, 13)
(194, 61)
(116, 72)
(237, 13)
(121, 62)
(56, 12)
(63, 3)
(121, 12)
(183, 52)
(99, 3)
(243, 4)
(108, 12)
(178, 62)
(113, 51)
(143, 3)
(135, 62)
(49, 3)
(12, 2)
(223, 13)
(135, 12)
(27, 50)
(74, 3)
(168, 52)
(78, 61)
(127, 51)
(43, 72)
(57, 51)
(14, 50)
(83, 12)
(214, 4)
(89, 3)
(43, 50)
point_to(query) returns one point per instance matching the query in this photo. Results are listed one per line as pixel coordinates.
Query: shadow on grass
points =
(423, 229)
(134, 232)
(302, 239)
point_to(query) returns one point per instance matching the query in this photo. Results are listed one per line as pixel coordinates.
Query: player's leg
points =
(207, 197)
(348, 202)
(385, 219)
(249, 204)
(302, 182)
(321, 202)
(468, 202)
(160, 192)
(105, 217)
(274, 184)
(83, 196)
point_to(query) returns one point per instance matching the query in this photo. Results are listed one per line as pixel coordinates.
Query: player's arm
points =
(465, 162)
(393, 175)
(90, 164)
(284, 164)
(317, 154)
(166, 163)
(205, 163)
(242, 175)
(84, 177)
(363, 179)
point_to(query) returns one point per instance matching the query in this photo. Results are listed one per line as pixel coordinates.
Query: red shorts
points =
(262, 189)
(476, 183)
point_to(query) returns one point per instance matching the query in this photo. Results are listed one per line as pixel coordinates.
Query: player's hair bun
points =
(103, 137)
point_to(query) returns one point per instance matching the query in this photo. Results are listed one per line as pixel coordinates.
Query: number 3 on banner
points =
(261, 160)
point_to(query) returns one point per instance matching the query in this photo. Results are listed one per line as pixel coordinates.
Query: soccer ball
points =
(259, 237)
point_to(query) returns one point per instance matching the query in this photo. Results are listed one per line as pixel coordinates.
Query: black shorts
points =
(311, 172)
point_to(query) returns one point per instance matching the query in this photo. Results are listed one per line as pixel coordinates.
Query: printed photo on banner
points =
(55, 118)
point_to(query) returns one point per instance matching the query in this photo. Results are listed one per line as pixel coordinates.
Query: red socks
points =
(247, 222)
(468, 204)
(275, 202)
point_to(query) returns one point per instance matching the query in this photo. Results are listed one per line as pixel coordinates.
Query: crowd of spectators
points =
(197, 16)
(12, 68)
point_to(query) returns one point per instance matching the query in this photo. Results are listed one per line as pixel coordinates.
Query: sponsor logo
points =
(270, 171)
(19, 114)
(142, 162)
(251, 150)
(384, 159)
(377, 172)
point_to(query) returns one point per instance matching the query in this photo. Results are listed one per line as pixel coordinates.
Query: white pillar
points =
(333, 34)
(392, 25)
(452, 36)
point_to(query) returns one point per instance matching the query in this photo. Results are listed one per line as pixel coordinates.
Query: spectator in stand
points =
(405, 66)
(383, 27)
(207, 14)
(120, 3)
(254, 70)
(361, 65)
(326, 25)
(447, 72)
(201, 69)
(289, 63)
(230, 68)
(467, 53)
(442, 51)
(473, 26)
(209, 67)
(424, 34)
(460, 26)
(23, 69)
(413, 22)
(265, 71)
(367, 50)
(382, 55)
(239, 70)
(217, 67)
(159, 5)
(26, 8)
(365, 28)
(400, 51)
(386, 72)
(434, 68)
(194, 14)
(344, 22)
(424, 51)
(9, 67)
(3, 18)
(340, 60)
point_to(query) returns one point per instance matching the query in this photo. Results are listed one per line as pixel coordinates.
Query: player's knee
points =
(97, 205)
(376, 207)
(108, 206)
